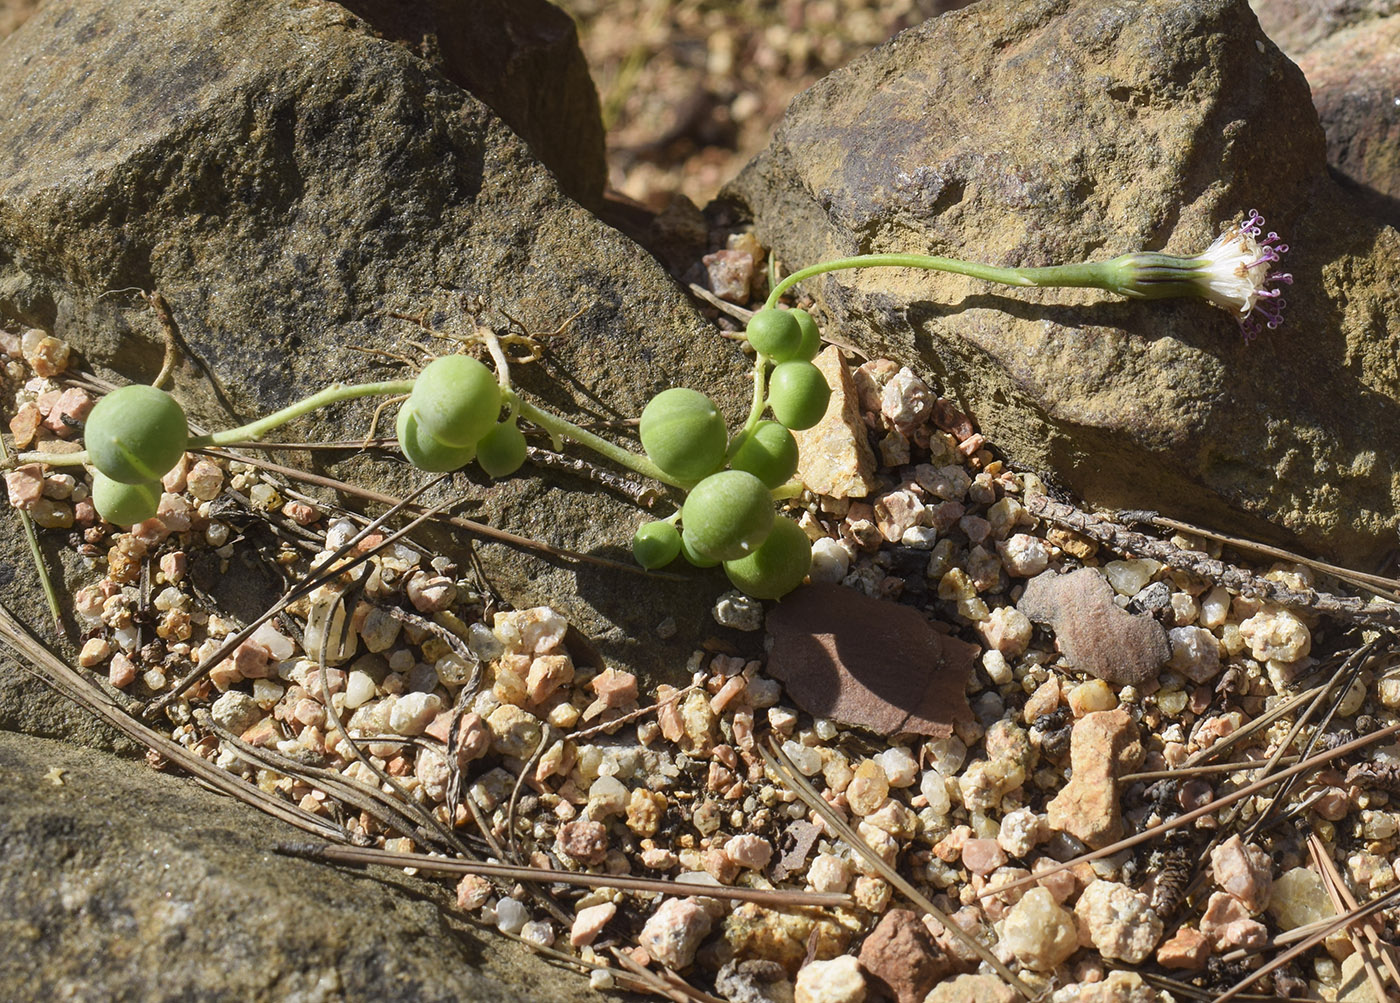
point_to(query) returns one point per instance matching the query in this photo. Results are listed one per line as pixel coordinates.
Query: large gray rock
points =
(286, 177)
(1037, 133)
(120, 883)
(1355, 76)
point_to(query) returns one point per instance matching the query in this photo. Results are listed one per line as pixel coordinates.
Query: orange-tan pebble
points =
(25, 485)
(590, 922)
(121, 673)
(644, 811)
(95, 651)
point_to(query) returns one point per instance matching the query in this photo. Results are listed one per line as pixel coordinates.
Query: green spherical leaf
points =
(770, 454)
(695, 559)
(501, 451)
(683, 433)
(774, 333)
(798, 394)
(656, 544)
(811, 336)
(423, 450)
(727, 515)
(135, 434)
(777, 566)
(456, 400)
(124, 504)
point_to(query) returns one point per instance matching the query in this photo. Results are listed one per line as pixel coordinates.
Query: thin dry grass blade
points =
(1364, 912)
(509, 872)
(777, 761)
(31, 652)
(1191, 816)
(1342, 901)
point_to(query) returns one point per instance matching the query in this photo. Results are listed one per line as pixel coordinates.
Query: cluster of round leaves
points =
(450, 419)
(728, 517)
(134, 436)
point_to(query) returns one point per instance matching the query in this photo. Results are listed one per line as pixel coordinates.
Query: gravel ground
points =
(691, 89)
(1105, 695)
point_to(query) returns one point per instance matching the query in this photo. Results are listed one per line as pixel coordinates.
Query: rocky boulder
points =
(122, 883)
(288, 177)
(1032, 134)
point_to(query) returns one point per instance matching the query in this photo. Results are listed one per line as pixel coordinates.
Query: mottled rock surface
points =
(901, 957)
(286, 176)
(1036, 133)
(120, 883)
(1093, 634)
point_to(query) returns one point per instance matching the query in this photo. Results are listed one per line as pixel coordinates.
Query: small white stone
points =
(747, 850)
(900, 766)
(1215, 607)
(359, 689)
(1128, 578)
(236, 711)
(1038, 932)
(1276, 635)
(829, 873)
(537, 931)
(836, 981)
(1023, 555)
(738, 611)
(412, 712)
(934, 788)
(830, 561)
(607, 796)
(1195, 653)
(672, 933)
(807, 759)
(919, 537)
(511, 916)
(1119, 921)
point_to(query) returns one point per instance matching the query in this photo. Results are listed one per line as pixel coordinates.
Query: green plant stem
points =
(1090, 274)
(557, 426)
(760, 401)
(255, 429)
(331, 395)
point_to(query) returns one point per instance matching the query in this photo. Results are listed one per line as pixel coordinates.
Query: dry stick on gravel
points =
(372, 801)
(781, 766)
(35, 657)
(1324, 931)
(544, 875)
(1341, 681)
(1196, 771)
(637, 492)
(1367, 939)
(682, 993)
(325, 571)
(1118, 537)
(478, 528)
(1258, 724)
(1387, 587)
(1313, 763)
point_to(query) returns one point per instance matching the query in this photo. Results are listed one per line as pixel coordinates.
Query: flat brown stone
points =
(868, 663)
(1093, 634)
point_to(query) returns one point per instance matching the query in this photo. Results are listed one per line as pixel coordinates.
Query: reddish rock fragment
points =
(868, 662)
(1093, 634)
(1188, 949)
(900, 956)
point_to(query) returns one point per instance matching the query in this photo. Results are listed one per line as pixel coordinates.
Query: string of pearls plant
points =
(453, 412)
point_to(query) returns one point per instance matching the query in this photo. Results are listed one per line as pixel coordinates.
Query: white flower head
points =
(1236, 273)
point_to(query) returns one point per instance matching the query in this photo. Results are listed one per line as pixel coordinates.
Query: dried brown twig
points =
(781, 767)
(1117, 536)
(508, 872)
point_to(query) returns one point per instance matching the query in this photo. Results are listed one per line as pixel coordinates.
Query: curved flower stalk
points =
(1235, 273)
